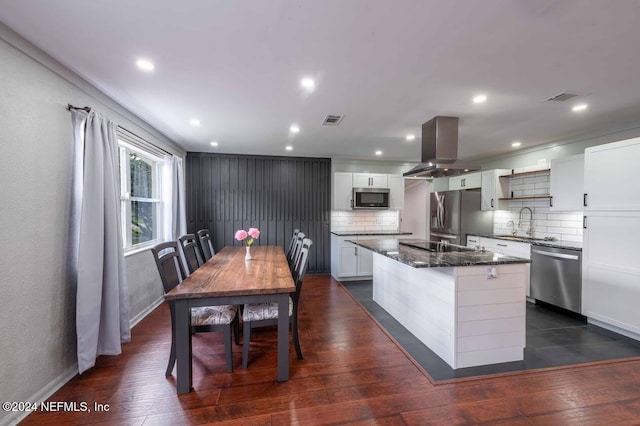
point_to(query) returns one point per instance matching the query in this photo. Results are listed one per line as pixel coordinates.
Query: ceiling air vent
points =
(332, 120)
(561, 97)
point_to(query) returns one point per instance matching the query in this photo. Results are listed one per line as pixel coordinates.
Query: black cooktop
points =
(435, 247)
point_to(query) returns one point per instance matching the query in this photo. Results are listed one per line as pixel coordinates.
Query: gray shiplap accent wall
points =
(274, 194)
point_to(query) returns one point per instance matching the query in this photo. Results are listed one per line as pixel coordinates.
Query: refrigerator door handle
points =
(441, 211)
(447, 236)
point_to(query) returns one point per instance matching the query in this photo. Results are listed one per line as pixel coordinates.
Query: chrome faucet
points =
(513, 227)
(530, 230)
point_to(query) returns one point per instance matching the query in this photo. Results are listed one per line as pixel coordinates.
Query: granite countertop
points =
(419, 258)
(350, 233)
(545, 243)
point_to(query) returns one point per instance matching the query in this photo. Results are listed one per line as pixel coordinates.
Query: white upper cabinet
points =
(396, 192)
(343, 184)
(370, 180)
(493, 189)
(342, 191)
(440, 184)
(567, 183)
(466, 181)
(610, 176)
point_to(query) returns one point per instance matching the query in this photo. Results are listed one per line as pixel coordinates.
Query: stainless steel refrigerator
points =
(454, 214)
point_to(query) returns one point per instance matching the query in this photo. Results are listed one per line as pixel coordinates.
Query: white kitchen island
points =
(467, 306)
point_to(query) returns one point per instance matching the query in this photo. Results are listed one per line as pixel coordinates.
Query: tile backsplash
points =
(364, 220)
(562, 225)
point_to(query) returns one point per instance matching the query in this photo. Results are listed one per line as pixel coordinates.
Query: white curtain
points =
(173, 197)
(102, 308)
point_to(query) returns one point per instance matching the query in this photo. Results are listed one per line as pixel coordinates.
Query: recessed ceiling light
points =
(288, 148)
(194, 122)
(579, 107)
(516, 144)
(294, 128)
(479, 99)
(378, 152)
(213, 143)
(308, 84)
(145, 65)
(411, 137)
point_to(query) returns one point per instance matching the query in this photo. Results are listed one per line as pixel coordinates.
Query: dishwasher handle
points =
(556, 255)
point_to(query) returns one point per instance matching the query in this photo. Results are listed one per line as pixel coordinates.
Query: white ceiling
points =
(387, 65)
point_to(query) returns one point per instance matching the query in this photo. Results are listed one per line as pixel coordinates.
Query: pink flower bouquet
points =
(250, 236)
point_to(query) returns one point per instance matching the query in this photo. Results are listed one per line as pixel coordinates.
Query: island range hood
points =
(440, 150)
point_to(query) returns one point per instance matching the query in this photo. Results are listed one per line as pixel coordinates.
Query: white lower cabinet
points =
(349, 261)
(473, 241)
(611, 271)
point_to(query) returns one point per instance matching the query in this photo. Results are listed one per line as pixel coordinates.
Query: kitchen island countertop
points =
(419, 258)
(535, 241)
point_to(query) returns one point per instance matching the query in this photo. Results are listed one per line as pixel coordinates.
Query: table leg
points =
(183, 346)
(283, 337)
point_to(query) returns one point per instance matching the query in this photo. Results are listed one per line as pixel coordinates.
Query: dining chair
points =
(206, 318)
(191, 252)
(206, 245)
(292, 243)
(266, 314)
(296, 251)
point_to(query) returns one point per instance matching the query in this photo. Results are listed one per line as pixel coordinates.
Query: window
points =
(140, 195)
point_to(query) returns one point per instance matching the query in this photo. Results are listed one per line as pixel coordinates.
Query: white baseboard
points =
(614, 328)
(52, 387)
(41, 396)
(135, 320)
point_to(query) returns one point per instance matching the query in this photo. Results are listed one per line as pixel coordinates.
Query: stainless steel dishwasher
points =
(556, 276)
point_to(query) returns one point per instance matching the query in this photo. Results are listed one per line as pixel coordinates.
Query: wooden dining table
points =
(228, 279)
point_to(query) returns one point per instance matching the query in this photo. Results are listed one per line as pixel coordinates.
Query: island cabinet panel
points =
(421, 299)
(490, 320)
(482, 327)
(461, 314)
(480, 312)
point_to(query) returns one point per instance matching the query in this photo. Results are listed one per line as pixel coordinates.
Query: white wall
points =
(559, 149)
(37, 307)
(361, 166)
(415, 215)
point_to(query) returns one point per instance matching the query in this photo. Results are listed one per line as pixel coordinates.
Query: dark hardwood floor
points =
(352, 373)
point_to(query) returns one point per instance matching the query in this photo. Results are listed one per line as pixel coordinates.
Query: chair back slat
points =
(169, 264)
(301, 270)
(293, 261)
(206, 244)
(292, 243)
(303, 261)
(191, 252)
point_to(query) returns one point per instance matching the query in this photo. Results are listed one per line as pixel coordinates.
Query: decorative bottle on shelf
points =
(247, 255)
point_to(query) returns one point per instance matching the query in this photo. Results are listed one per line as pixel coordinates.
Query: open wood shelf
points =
(528, 197)
(522, 174)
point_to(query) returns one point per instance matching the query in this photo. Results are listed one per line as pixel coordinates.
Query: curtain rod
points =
(70, 107)
(122, 129)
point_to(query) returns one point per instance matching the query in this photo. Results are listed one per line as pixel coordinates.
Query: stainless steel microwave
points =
(370, 198)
